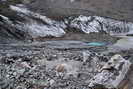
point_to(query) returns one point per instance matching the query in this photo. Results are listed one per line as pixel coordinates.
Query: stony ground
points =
(50, 69)
(47, 65)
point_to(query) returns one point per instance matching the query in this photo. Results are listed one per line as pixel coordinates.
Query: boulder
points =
(113, 74)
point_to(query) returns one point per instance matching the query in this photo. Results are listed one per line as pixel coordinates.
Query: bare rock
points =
(112, 73)
(118, 9)
(60, 67)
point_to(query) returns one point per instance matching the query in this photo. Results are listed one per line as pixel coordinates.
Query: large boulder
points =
(114, 74)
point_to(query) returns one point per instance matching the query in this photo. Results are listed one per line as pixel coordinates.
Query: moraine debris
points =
(112, 74)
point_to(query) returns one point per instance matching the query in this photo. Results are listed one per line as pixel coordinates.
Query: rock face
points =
(118, 9)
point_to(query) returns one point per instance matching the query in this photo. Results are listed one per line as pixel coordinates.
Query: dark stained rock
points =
(118, 9)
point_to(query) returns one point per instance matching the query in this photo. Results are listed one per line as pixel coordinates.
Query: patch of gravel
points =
(40, 69)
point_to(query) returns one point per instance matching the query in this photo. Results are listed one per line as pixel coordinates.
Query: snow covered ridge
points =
(23, 10)
(85, 24)
(36, 29)
(6, 19)
(96, 24)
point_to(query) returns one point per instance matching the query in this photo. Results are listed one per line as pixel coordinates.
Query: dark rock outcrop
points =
(118, 9)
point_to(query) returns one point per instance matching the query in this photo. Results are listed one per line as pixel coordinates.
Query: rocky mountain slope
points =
(117, 9)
